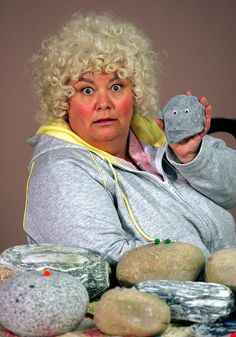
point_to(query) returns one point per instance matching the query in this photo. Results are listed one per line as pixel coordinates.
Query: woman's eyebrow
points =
(84, 79)
(88, 80)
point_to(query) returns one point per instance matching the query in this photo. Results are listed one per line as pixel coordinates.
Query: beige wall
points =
(198, 35)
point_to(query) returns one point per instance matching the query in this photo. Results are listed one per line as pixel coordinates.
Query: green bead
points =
(157, 241)
(167, 241)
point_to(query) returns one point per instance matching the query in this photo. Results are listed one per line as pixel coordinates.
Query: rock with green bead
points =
(160, 261)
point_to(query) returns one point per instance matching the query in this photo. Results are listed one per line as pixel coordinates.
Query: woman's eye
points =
(87, 91)
(116, 87)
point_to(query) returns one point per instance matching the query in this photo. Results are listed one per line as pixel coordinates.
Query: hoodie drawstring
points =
(126, 201)
(26, 193)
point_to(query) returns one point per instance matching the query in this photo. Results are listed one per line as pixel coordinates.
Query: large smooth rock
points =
(128, 312)
(88, 268)
(38, 304)
(175, 261)
(192, 301)
(221, 268)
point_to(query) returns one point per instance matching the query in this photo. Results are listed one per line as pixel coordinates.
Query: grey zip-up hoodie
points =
(77, 196)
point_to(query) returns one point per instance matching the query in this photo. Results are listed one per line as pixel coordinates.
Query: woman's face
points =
(100, 111)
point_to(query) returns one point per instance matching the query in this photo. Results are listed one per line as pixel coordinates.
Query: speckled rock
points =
(128, 312)
(175, 261)
(38, 304)
(85, 266)
(192, 301)
(183, 116)
(221, 268)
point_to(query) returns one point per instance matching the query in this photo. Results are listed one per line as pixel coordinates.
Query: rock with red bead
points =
(38, 304)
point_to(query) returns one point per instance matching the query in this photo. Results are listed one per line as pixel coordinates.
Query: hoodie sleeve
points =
(67, 206)
(212, 172)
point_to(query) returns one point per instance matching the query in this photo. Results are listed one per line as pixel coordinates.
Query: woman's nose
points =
(103, 102)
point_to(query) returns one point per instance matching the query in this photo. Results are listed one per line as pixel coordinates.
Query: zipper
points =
(168, 185)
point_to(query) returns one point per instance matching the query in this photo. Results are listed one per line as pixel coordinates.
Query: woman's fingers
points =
(187, 92)
(208, 111)
(160, 123)
(203, 100)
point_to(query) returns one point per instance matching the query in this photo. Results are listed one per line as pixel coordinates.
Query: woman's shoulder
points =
(55, 148)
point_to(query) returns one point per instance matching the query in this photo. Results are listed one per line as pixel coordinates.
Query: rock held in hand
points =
(183, 117)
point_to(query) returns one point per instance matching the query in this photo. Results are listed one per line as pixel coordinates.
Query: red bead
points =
(47, 273)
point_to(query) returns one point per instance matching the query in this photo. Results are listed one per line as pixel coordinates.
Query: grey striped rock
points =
(192, 301)
(88, 268)
(35, 304)
(183, 117)
(217, 329)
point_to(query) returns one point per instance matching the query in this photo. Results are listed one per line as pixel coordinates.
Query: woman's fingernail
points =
(203, 100)
(187, 92)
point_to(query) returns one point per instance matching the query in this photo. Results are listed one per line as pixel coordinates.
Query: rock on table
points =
(192, 301)
(90, 269)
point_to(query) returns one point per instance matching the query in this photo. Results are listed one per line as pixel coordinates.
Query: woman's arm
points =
(212, 171)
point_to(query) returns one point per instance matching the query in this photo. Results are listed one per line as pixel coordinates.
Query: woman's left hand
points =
(187, 150)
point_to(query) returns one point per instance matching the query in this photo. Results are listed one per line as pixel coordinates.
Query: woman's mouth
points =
(105, 121)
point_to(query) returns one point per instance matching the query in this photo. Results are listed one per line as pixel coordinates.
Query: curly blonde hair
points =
(94, 43)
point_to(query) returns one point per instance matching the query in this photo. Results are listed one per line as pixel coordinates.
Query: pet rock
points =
(183, 117)
(39, 304)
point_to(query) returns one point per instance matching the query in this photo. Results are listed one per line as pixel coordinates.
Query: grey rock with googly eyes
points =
(183, 117)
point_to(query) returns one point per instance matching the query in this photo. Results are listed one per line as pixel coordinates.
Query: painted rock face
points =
(184, 117)
(90, 269)
(38, 304)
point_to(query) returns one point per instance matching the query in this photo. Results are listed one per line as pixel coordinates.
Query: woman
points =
(102, 176)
